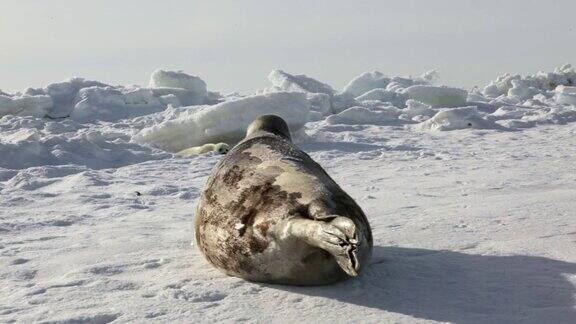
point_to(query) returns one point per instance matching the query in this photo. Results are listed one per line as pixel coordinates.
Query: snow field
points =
(470, 227)
(470, 195)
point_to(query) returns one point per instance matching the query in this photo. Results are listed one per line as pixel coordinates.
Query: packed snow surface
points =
(470, 195)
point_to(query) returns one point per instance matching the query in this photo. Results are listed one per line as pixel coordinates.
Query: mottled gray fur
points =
(269, 213)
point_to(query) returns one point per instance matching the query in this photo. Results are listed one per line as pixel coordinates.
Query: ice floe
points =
(224, 122)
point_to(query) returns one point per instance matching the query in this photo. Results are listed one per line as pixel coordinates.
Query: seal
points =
(269, 213)
(220, 148)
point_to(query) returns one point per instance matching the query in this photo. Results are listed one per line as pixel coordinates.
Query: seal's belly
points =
(295, 263)
(257, 258)
(237, 235)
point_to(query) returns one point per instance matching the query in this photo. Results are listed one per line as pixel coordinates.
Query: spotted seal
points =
(269, 213)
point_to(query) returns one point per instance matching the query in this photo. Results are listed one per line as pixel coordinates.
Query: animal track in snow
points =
(199, 296)
(155, 313)
(18, 261)
(102, 318)
(106, 270)
(152, 264)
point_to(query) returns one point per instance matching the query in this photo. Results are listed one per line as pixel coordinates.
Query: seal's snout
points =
(269, 124)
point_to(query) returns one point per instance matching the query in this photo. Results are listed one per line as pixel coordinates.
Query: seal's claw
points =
(348, 263)
(346, 225)
(339, 238)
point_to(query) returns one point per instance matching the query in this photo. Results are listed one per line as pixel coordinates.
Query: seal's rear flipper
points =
(345, 254)
(337, 237)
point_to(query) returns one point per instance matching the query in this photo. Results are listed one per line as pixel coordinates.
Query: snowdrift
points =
(394, 98)
(366, 82)
(367, 116)
(566, 95)
(29, 142)
(283, 81)
(437, 96)
(540, 82)
(457, 118)
(91, 101)
(224, 122)
(36, 106)
(194, 89)
(88, 112)
(108, 104)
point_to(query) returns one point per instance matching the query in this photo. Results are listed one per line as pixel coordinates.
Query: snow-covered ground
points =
(470, 194)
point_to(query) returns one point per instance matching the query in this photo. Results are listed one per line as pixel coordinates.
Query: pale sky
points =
(234, 44)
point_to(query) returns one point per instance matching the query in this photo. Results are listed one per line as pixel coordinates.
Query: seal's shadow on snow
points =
(459, 287)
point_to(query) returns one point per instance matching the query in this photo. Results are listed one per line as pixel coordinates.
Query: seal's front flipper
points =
(337, 237)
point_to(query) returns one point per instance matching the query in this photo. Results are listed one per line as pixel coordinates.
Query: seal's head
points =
(269, 124)
(221, 148)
